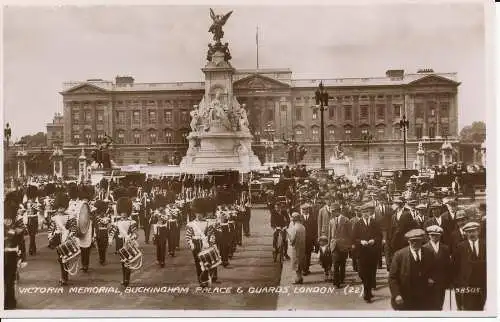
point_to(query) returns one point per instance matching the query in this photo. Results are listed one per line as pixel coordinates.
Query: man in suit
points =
(354, 250)
(311, 225)
(469, 263)
(145, 216)
(339, 236)
(401, 223)
(367, 236)
(440, 271)
(383, 217)
(456, 233)
(324, 216)
(410, 274)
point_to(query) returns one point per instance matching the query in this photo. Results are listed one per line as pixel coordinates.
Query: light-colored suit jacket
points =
(324, 221)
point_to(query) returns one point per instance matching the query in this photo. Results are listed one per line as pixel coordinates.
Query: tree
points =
(39, 139)
(476, 132)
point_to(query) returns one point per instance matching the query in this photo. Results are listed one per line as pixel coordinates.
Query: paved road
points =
(251, 266)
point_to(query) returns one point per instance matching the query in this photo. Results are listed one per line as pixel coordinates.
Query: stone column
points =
(57, 156)
(82, 167)
(21, 163)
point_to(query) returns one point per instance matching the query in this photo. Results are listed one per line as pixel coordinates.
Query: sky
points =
(46, 46)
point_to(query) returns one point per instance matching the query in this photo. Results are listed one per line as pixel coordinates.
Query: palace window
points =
(120, 117)
(315, 134)
(396, 110)
(100, 116)
(331, 134)
(121, 137)
(152, 137)
(380, 111)
(418, 131)
(298, 113)
(270, 114)
(88, 138)
(100, 137)
(396, 135)
(76, 139)
(331, 112)
(364, 131)
(315, 115)
(168, 116)
(347, 134)
(419, 110)
(75, 116)
(363, 111)
(432, 131)
(152, 117)
(283, 108)
(444, 109)
(137, 138)
(445, 129)
(136, 117)
(184, 117)
(348, 113)
(380, 133)
(299, 132)
(87, 116)
(168, 136)
(184, 135)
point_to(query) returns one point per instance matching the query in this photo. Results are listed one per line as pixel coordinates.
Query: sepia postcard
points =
(196, 159)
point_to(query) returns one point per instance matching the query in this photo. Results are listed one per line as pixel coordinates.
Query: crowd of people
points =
(430, 243)
(80, 217)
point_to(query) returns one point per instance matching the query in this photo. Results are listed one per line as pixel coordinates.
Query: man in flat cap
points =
(401, 223)
(456, 232)
(367, 236)
(324, 216)
(410, 274)
(311, 225)
(469, 263)
(441, 267)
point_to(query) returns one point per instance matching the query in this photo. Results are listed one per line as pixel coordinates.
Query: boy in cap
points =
(440, 271)
(469, 262)
(122, 230)
(410, 274)
(325, 256)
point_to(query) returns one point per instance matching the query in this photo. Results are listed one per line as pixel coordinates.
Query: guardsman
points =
(14, 231)
(62, 227)
(410, 278)
(367, 236)
(160, 231)
(145, 215)
(173, 229)
(102, 227)
(124, 229)
(198, 235)
(223, 237)
(84, 195)
(32, 209)
(441, 267)
(469, 263)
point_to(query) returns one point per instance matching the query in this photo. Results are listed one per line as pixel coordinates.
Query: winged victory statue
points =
(218, 22)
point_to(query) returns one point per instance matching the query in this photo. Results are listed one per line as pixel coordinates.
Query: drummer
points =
(198, 234)
(124, 229)
(62, 228)
(84, 195)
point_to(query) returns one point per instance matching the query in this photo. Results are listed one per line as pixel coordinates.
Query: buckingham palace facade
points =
(149, 122)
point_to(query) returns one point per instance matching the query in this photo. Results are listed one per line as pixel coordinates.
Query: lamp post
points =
(403, 125)
(368, 138)
(270, 145)
(322, 103)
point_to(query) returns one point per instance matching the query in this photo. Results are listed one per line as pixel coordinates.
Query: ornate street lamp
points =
(322, 103)
(403, 125)
(368, 138)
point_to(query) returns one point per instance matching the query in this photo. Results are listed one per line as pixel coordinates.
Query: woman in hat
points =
(62, 227)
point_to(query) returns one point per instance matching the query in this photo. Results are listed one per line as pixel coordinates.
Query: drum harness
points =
(138, 259)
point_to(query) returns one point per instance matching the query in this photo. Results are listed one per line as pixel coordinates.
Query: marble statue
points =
(195, 118)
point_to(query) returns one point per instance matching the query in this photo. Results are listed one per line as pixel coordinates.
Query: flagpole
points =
(257, 43)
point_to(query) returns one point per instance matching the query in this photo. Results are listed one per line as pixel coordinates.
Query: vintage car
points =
(259, 188)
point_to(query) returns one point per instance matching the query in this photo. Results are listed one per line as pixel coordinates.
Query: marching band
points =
(363, 220)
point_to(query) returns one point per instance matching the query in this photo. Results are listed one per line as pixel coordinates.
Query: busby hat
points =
(415, 234)
(85, 192)
(61, 201)
(124, 206)
(198, 206)
(73, 191)
(100, 206)
(31, 192)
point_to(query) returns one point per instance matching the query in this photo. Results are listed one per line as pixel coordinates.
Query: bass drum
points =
(83, 218)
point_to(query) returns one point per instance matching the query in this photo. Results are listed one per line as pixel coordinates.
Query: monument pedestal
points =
(341, 167)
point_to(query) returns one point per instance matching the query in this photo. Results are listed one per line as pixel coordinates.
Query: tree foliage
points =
(36, 140)
(476, 132)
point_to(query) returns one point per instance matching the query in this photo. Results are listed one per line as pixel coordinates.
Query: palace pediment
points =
(85, 88)
(259, 82)
(433, 80)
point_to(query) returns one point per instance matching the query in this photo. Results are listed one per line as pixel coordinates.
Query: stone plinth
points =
(222, 150)
(341, 167)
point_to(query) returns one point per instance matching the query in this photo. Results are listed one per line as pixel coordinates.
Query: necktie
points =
(418, 256)
(474, 249)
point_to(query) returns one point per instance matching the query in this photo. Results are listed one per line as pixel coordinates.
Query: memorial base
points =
(340, 167)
